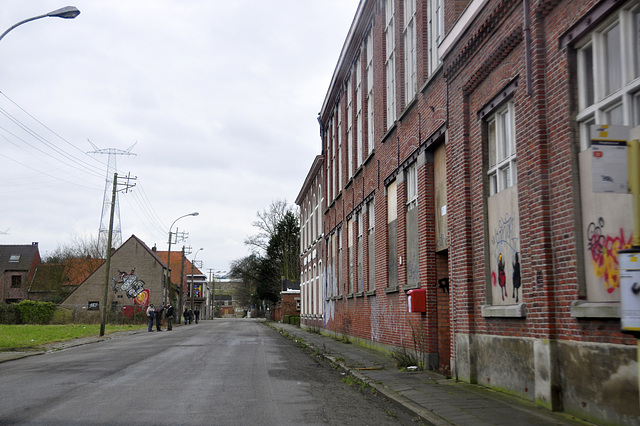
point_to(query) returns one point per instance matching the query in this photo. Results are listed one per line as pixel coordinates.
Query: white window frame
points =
(340, 151)
(359, 97)
(435, 33)
(349, 128)
(501, 139)
(410, 51)
(412, 186)
(390, 62)
(598, 102)
(319, 211)
(371, 142)
(371, 258)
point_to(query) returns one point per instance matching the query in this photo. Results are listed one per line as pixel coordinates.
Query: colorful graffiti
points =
(132, 286)
(604, 253)
(502, 277)
(505, 241)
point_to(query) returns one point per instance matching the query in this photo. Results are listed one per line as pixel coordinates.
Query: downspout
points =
(527, 44)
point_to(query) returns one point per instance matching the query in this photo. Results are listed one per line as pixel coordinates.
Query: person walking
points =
(158, 315)
(185, 314)
(150, 315)
(190, 316)
(197, 314)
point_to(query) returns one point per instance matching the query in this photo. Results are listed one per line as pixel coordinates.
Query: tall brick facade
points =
(468, 123)
(310, 200)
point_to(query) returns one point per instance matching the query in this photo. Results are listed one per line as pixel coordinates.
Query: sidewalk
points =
(436, 399)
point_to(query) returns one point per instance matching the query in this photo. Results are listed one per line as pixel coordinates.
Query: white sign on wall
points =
(629, 261)
(609, 163)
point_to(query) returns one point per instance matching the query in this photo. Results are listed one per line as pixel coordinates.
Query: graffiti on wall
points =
(603, 249)
(132, 287)
(505, 242)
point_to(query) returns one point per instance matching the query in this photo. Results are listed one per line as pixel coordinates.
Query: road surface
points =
(220, 372)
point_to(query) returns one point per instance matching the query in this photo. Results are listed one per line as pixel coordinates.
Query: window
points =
(409, 31)
(339, 259)
(371, 143)
(412, 186)
(334, 181)
(608, 71)
(435, 30)
(608, 92)
(340, 152)
(390, 64)
(319, 211)
(350, 254)
(371, 244)
(502, 149)
(359, 139)
(318, 291)
(411, 226)
(314, 218)
(14, 258)
(360, 252)
(16, 281)
(349, 129)
(392, 234)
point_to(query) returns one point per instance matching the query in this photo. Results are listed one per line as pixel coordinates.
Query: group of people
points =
(190, 316)
(154, 315)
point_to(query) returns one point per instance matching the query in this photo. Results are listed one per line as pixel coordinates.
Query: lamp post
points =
(68, 12)
(165, 291)
(192, 268)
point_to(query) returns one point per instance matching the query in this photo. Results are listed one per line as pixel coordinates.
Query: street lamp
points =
(165, 292)
(192, 267)
(69, 12)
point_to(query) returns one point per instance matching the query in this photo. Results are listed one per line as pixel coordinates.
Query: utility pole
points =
(108, 260)
(180, 237)
(181, 286)
(212, 278)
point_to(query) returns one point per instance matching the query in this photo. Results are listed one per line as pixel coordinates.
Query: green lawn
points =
(29, 337)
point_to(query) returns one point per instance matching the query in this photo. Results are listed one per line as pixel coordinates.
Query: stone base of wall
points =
(593, 381)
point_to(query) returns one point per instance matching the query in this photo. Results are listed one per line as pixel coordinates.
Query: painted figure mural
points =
(502, 277)
(516, 277)
(504, 250)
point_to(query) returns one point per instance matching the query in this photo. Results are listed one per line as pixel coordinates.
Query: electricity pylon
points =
(112, 168)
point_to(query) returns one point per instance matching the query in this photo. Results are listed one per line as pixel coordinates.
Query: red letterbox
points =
(417, 300)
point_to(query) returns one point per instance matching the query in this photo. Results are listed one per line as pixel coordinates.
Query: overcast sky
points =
(220, 97)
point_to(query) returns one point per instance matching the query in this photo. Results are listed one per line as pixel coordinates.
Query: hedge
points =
(27, 312)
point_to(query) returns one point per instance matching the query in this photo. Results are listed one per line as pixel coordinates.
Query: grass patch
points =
(27, 336)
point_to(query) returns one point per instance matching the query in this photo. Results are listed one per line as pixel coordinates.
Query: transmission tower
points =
(103, 234)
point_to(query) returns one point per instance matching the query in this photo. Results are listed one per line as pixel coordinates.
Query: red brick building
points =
(458, 161)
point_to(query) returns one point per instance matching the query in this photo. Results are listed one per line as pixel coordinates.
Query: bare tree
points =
(268, 220)
(79, 248)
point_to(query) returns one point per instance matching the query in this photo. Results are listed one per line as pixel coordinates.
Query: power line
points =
(46, 127)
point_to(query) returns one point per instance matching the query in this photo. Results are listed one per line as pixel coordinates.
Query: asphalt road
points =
(220, 372)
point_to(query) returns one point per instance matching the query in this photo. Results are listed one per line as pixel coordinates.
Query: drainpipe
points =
(527, 44)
